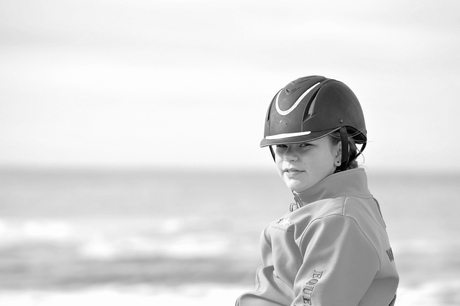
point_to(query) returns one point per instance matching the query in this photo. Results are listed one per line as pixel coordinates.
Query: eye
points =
(280, 149)
(304, 144)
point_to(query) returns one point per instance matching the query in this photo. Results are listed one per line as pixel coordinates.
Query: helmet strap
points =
(344, 140)
(272, 152)
(361, 150)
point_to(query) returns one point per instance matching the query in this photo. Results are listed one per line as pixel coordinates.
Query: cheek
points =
(319, 164)
(329, 165)
(278, 163)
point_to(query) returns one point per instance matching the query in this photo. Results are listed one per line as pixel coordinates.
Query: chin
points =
(296, 187)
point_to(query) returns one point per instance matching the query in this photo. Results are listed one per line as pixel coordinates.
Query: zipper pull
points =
(298, 203)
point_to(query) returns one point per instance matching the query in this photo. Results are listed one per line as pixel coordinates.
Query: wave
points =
(86, 253)
(115, 239)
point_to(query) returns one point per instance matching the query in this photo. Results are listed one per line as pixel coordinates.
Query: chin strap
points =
(344, 140)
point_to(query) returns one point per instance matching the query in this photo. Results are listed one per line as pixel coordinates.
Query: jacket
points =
(333, 250)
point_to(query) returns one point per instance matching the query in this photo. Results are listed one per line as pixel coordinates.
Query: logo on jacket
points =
(284, 222)
(283, 225)
(310, 286)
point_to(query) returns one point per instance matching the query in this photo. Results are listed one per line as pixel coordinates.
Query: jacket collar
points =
(344, 183)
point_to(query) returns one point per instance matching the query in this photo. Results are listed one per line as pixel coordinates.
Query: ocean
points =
(158, 236)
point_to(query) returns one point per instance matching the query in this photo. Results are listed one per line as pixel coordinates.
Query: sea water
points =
(157, 237)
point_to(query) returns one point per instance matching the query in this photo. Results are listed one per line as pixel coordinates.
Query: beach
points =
(156, 236)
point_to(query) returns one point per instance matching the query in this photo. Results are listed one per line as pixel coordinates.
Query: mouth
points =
(292, 171)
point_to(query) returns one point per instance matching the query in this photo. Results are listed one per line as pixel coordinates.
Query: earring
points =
(338, 163)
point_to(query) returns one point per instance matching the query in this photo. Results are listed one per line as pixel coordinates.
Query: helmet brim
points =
(295, 137)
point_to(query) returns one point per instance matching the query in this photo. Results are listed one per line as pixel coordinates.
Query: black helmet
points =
(312, 107)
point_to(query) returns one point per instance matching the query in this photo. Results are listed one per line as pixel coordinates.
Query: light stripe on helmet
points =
(286, 112)
(287, 135)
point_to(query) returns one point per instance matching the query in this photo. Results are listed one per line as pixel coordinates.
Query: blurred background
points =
(130, 170)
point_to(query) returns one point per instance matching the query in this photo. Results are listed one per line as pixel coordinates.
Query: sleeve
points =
(270, 290)
(339, 263)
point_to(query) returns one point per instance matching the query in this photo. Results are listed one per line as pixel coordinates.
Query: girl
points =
(331, 248)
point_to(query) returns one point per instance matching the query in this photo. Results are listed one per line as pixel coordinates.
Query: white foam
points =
(112, 239)
(201, 295)
(433, 292)
(204, 245)
(186, 246)
(34, 230)
(440, 294)
(171, 225)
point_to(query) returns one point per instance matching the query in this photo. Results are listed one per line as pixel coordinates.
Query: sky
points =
(186, 84)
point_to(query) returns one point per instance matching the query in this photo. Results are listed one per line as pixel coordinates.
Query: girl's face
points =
(302, 165)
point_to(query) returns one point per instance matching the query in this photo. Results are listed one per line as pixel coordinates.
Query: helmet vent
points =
(310, 107)
(297, 102)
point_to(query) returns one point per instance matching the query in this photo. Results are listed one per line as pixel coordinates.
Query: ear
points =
(337, 150)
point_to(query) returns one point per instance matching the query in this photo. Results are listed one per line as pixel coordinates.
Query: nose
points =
(290, 154)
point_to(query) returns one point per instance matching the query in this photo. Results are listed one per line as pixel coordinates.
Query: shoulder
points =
(334, 212)
(359, 211)
(304, 217)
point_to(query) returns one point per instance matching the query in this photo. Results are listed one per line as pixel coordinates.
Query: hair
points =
(353, 152)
